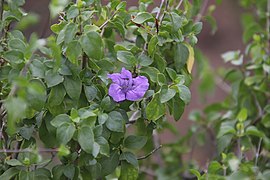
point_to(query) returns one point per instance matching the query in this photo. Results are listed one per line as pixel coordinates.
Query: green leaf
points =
(73, 51)
(155, 109)
(36, 94)
(252, 130)
(197, 27)
(53, 78)
(37, 68)
(104, 146)
(69, 171)
(171, 72)
(266, 120)
(130, 158)
(14, 56)
(126, 57)
(109, 164)
(107, 104)
(56, 95)
(166, 94)
(92, 45)
(17, 44)
(73, 87)
(226, 128)
(60, 120)
(85, 113)
(65, 132)
(151, 72)
(242, 115)
(121, 6)
(161, 79)
(223, 142)
(14, 162)
(26, 132)
(181, 55)
(86, 138)
(152, 45)
(102, 118)
(72, 12)
(184, 93)
(134, 142)
(143, 17)
(144, 60)
(213, 167)
(115, 122)
(67, 34)
(128, 171)
(196, 173)
(9, 174)
(16, 108)
(90, 92)
(177, 107)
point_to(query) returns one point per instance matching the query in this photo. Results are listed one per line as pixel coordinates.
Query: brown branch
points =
(258, 152)
(179, 4)
(157, 144)
(268, 26)
(28, 150)
(202, 10)
(2, 9)
(149, 154)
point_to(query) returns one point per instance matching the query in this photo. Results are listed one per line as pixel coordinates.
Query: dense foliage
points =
(89, 101)
(54, 91)
(239, 125)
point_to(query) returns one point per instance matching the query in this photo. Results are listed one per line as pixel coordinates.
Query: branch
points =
(149, 172)
(149, 154)
(28, 150)
(268, 25)
(157, 144)
(2, 9)
(107, 21)
(200, 15)
(222, 85)
(22, 73)
(258, 152)
(159, 10)
(179, 4)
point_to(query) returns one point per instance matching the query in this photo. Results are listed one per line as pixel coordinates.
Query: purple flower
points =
(126, 87)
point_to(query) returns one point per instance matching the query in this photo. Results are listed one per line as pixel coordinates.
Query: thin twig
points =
(149, 154)
(28, 150)
(159, 10)
(163, 15)
(202, 10)
(239, 148)
(147, 171)
(2, 9)
(108, 20)
(52, 157)
(22, 73)
(157, 144)
(179, 4)
(258, 152)
(268, 25)
(223, 85)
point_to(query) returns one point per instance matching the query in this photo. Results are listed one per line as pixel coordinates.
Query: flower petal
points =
(116, 93)
(115, 77)
(126, 73)
(140, 86)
